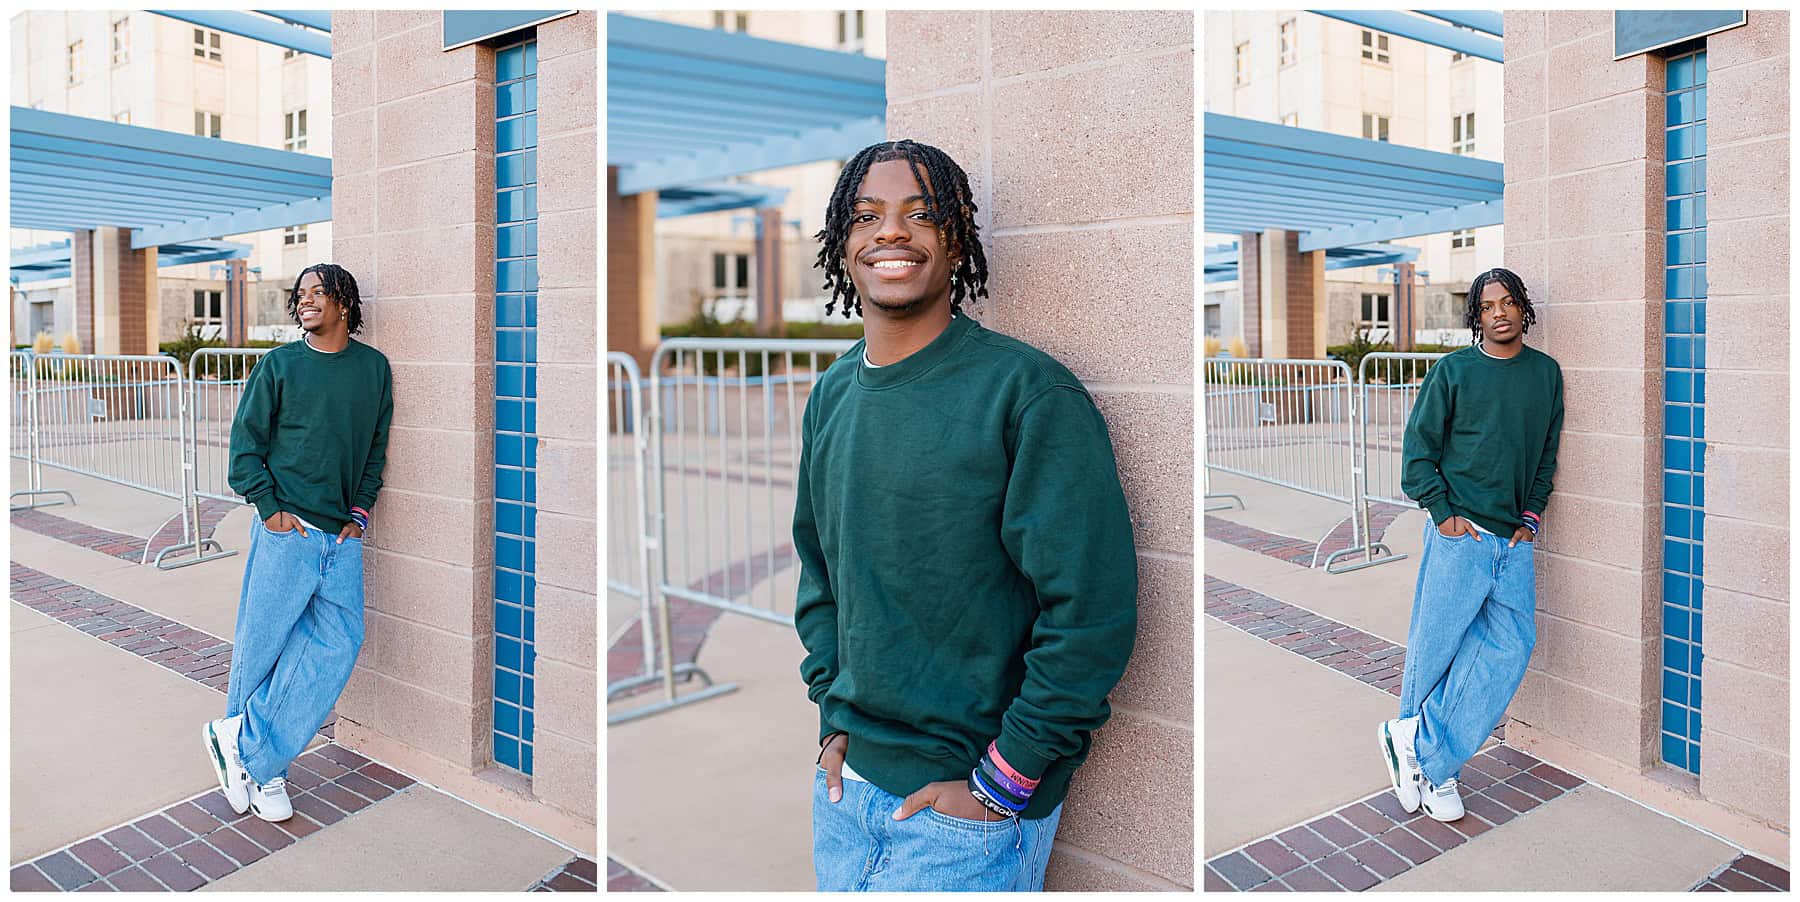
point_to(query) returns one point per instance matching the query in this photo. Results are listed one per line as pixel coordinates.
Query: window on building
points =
(1374, 46)
(850, 30)
(1243, 63)
(1462, 134)
(121, 41)
(1457, 56)
(208, 45)
(77, 71)
(1462, 238)
(730, 20)
(293, 235)
(123, 117)
(1291, 119)
(288, 53)
(1375, 128)
(206, 125)
(1290, 46)
(209, 308)
(1375, 315)
(731, 272)
(294, 130)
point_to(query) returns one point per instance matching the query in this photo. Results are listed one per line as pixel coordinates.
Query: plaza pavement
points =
(1299, 669)
(115, 665)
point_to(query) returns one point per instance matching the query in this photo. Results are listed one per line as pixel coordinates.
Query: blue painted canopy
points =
(1221, 263)
(302, 31)
(1338, 191)
(42, 262)
(687, 200)
(1425, 31)
(71, 172)
(694, 105)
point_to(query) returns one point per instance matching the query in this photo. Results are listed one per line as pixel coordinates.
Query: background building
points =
(1304, 70)
(140, 68)
(708, 260)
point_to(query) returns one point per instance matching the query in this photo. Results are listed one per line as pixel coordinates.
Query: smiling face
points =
(319, 312)
(1502, 316)
(894, 253)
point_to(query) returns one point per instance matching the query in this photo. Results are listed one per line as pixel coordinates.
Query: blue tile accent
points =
(1684, 408)
(515, 384)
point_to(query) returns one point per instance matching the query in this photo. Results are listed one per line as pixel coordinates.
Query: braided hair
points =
(338, 283)
(948, 202)
(1514, 285)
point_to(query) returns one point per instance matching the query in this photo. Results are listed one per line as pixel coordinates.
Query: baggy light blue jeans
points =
(299, 628)
(1473, 628)
(859, 847)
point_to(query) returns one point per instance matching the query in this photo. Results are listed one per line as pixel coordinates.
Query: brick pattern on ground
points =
(577, 875)
(621, 879)
(192, 843)
(171, 644)
(1365, 843)
(1745, 874)
(689, 622)
(1300, 552)
(118, 544)
(1343, 648)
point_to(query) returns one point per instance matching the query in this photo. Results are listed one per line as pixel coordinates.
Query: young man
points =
(1479, 452)
(968, 581)
(307, 448)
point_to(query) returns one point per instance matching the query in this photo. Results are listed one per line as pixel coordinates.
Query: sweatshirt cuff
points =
(1028, 763)
(265, 505)
(1440, 510)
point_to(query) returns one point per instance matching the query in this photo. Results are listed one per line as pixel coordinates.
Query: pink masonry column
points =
(1077, 131)
(1584, 228)
(567, 730)
(1745, 756)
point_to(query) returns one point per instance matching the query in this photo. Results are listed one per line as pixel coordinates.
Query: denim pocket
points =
(963, 823)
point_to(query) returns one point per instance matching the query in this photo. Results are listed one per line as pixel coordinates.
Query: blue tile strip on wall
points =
(1684, 411)
(515, 401)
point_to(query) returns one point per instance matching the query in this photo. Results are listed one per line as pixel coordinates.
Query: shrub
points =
(704, 325)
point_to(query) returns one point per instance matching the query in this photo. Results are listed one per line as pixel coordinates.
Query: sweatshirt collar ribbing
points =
(920, 362)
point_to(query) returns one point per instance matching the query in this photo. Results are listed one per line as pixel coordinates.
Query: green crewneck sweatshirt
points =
(967, 567)
(1481, 441)
(310, 436)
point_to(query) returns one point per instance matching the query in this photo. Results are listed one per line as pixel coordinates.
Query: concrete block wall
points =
(1745, 680)
(1077, 132)
(567, 731)
(1585, 221)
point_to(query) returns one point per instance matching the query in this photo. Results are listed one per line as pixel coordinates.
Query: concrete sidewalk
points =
(1297, 796)
(115, 665)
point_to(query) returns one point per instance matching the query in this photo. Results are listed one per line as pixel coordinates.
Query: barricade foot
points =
(200, 555)
(684, 672)
(33, 504)
(1222, 507)
(1387, 554)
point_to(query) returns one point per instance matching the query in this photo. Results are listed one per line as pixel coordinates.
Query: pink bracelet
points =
(1011, 772)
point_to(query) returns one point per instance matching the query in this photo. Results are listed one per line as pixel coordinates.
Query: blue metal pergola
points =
(302, 31)
(688, 200)
(1338, 191)
(1421, 28)
(54, 259)
(694, 106)
(1221, 261)
(71, 173)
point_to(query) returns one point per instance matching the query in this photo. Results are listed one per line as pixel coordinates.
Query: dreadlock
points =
(338, 283)
(1514, 286)
(948, 202)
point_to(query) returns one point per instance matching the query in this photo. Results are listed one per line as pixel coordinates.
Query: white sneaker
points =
(222, 750)
(1443, 803)
(1402, 761)
(270, 801)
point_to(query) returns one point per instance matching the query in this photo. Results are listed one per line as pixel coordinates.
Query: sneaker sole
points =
(1392, 760)
(217, 756)
(273, 820)
(1445, 820)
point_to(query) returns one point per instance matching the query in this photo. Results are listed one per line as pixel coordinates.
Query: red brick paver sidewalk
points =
(118, 544)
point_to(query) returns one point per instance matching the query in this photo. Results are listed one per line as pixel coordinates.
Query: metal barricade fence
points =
(724, 448)
(22, 373)
(112, 417)
(1387, 387)
(1288, 423)
(213, 386)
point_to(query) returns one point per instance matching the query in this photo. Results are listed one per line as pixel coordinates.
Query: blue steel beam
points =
(39, 254)
(1422, 30)
(1248, 137)
(52, 261)
(318, 19)
(1252, 193)
(30, 160)
(1320, 216)
(620, 96)
(689, 200)
(47, 174)
(664, 65)
(634, 33)
(754, 156)
(1287, 177)
(1479, 19)
(111, 140)
(276, 216)
(1466, 217)
(256, 28)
